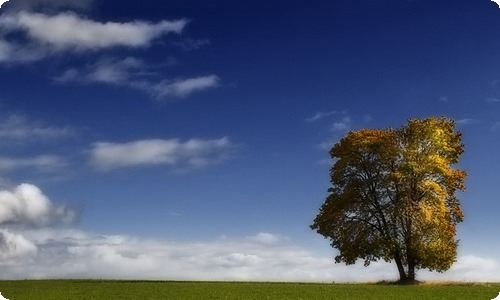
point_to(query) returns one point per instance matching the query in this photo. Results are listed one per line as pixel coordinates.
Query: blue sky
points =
(189, 139)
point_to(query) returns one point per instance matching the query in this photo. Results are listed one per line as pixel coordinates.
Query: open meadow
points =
(105, 289)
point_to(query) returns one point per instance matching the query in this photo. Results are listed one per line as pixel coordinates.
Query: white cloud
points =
(42, 163)
(321, 115)
(2, 2)
(79, 254)
(20, 128)
(466, 121)
(469, 268)
(342, 124)
(193, 153)
(26, 205)
(184, 87)
(110, 71)
(134, 73)
(15, 249)
(68, 31)
(49, 34)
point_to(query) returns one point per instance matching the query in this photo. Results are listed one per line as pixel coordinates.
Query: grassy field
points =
(102, 289)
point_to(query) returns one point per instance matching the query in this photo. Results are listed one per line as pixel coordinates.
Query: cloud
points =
(42, 163)
(48, 34)
(15, 249)
(184, 87)
(84, 255)
(19, 128)
(495, 126)
(193, 153)
(466, 121)
(342, 124)
(31, 5)
(68, 31)
(135, 73)
(492, 100)
(108, 70)
(26, 205)
(71, 253)
(468, 268)
(321, 115)
(2, 2)
(189, 44)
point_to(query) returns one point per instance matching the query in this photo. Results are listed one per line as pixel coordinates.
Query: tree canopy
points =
(393, 196)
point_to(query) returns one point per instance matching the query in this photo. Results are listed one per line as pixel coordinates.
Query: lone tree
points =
(393, 196)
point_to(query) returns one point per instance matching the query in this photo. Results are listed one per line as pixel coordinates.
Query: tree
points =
(393, 196)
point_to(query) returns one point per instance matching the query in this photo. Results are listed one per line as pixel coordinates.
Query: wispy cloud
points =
(322, 115)
(443, 99)
(466, 121)
(189, 44)
(39, 35)
(183, 87)
(194, 153)
(17, 127)
(136, 74)
(41, 163)
(492, 100)
(107, 70)
(341, 125)
(495, 126)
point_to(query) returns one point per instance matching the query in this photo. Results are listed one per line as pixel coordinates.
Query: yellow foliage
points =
(393, 195)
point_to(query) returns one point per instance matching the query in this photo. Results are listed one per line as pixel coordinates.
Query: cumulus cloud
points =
(193, 153)
(26, 205)
(15, 249)
(78, 254)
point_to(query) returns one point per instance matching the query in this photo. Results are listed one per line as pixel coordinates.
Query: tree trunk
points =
(401, 269)
(411, 270)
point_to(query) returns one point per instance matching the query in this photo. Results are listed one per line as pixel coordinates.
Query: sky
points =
(188, 139)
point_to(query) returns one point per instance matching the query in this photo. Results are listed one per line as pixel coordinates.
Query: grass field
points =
(103, 289)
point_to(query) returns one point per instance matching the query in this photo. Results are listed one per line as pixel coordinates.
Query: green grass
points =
(103, 289)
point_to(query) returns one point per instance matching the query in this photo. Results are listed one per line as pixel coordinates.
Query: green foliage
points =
(124, 290)
(393, 196)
